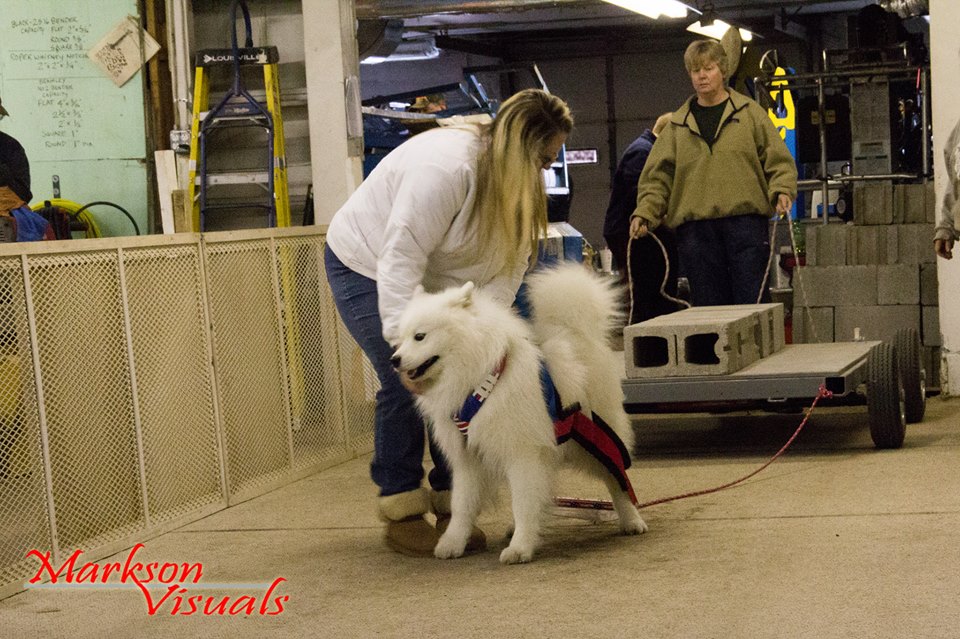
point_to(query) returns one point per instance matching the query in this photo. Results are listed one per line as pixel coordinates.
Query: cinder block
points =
(769, 316)
(931, 363)
(650, 350)
(898, 284)
(812, 325)
(929, 292)
(690, 343)
(916, 244)
(811, 235)
(891, 239)
(930, 203)
(910, 203)
(930, 329)
(831, 243)
(874, 322)
(835, 286)
(873, 203)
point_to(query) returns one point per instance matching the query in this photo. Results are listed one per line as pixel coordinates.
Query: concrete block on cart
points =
(650, 349)
(873, 203)
(704, 343)
(898, 284)
(812, 325)
(930, 325)
(769, 316)
(874, 322)
(929, 290)
(837, 285)
(910, 205)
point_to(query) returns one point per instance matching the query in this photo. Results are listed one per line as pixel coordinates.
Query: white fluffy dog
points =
(451, 342)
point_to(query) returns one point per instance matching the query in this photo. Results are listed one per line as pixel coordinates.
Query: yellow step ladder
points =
(236, 110)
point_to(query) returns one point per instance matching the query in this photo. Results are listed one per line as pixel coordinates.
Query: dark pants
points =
(725, 259)
(647, 268)
(398, 429)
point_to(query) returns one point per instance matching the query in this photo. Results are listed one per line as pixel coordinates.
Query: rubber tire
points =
(907, 345)
(885, 405)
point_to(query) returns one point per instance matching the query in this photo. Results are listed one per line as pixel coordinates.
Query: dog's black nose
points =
(395, 361)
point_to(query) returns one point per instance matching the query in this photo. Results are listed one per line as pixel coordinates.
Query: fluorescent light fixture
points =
(419, 49)
(716, 30)
(654, 8)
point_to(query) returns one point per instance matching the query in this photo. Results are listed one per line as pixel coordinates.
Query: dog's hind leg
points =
(530, 484)
(465, 496)
(631, 523)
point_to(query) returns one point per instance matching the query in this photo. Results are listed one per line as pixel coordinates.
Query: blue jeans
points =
(725, 259)
(398, 429)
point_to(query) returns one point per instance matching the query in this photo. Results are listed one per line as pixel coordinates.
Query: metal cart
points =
(886, 376)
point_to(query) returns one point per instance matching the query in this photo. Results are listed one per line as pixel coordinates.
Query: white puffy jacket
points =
(407, 224)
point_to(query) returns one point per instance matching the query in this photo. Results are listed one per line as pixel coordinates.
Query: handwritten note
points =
(119, 53)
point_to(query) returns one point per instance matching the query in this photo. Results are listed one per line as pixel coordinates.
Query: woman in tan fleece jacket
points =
(716, 173)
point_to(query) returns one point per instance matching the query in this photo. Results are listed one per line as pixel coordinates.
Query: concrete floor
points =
(836, 539)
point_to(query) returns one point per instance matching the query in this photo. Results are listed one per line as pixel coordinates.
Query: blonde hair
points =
(702, 52)
(511, 205)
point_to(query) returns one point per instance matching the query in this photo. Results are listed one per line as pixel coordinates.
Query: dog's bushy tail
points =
(577, 299)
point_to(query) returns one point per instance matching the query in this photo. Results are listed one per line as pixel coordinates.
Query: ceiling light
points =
(654, 8)
(716, 29)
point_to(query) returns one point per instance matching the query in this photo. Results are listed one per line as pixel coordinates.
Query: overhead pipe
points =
(370, 9)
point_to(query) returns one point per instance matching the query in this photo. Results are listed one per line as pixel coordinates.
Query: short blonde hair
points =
(702, 52)
(511, 205)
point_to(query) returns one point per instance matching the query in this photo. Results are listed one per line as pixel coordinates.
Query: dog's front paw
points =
(633, 524)
(448, 548)
(514, 555)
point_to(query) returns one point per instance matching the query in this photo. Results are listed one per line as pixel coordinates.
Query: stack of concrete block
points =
(874, 276)
(706, 340)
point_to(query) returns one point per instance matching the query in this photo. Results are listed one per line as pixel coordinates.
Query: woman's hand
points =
(784, 203)
(944, 248)
(638, 227)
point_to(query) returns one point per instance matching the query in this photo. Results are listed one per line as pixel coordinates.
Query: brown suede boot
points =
(408, 533)
(440, 500)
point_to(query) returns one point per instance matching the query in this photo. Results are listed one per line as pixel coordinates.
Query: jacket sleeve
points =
(656, 179)
(779, 166)
(504, 286)
(946, 224)
(426, 202)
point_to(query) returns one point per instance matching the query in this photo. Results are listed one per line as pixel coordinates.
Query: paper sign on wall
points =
(119, 53)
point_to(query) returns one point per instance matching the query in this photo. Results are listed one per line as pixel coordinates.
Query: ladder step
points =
(236, 177)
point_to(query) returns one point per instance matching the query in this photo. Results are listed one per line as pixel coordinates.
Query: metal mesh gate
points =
(146, 382)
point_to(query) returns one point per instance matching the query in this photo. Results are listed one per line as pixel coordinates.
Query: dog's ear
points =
(465, 297)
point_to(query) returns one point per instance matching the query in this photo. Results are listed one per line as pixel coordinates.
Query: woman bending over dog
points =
(451, 205)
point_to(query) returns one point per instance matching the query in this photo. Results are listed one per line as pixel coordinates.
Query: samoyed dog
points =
(460, 343)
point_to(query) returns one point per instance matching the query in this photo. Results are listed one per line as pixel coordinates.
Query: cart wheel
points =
(907, 343)
(885, 404)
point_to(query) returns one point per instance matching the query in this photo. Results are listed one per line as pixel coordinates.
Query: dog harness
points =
(594, 435)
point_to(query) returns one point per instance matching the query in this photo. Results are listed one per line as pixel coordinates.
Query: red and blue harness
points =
(592, 433)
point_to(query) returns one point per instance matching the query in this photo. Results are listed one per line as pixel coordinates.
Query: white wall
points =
(945, 95)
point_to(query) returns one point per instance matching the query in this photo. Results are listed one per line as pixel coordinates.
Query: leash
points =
(589, 504)
(666, 274)
(686, 304)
